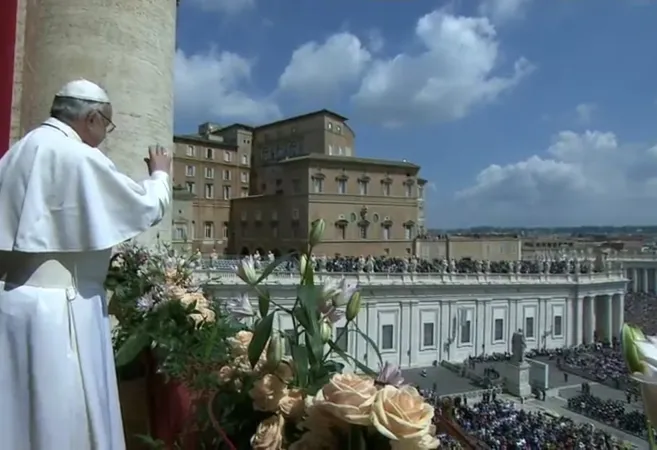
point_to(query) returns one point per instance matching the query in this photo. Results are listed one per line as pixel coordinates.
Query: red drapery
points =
(8, 45)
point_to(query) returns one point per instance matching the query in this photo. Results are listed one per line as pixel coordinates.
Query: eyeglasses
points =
(110, 125)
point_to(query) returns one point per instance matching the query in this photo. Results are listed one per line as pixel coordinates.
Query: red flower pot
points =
(171, 410)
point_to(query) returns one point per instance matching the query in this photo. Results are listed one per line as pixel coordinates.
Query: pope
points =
(63, 206)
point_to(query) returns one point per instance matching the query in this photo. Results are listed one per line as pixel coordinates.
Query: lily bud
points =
(275, 350)
(246, 271)
(303, 264)
(326, 331)
(629, 337)
(353, 307)
(316, 232)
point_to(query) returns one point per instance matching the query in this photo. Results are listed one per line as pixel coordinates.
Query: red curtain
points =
(8, 47)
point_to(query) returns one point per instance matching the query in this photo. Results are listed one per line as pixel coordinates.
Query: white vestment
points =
(63, 206)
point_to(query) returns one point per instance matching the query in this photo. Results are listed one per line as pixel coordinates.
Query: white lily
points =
(246, 270)
(240, 307)
(347, 290)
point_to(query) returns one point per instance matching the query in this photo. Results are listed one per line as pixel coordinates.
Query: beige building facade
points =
(211, 168)
(491, 248)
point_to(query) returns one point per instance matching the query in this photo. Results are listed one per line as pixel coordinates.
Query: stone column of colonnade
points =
(128, 47)
(602, 315)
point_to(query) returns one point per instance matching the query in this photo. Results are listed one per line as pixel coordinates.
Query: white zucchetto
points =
(83, 90)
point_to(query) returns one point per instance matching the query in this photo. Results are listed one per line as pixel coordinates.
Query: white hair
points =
(69, 109)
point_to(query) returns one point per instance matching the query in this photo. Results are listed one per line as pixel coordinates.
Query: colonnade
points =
(600, 316)
(642, 279)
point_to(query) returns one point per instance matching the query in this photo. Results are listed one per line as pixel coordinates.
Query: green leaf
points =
(309, 298)
(272, 266)
(264, 301)
(350, 359)
(356, 439)
(300, 358)
(308, 277)
(370, 342)
(131, 348)
(261, 335)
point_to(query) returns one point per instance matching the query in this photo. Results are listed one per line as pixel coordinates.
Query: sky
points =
(520, 112)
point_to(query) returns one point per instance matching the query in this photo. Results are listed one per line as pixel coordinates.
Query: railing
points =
(214, 277)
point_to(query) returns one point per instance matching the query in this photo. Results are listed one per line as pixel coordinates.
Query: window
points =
(190, 150)
(208, 230)
(296, 186)
(408, 233)
(225, 232)
(244, 192)
(192, 230)
(466, 327)
(342, 186)
(209, 172)
(558, 330)
(227, 176)
(244, 177)
(180, 233)
(190, 171)
(245, 159)
(318, 185)
(295, 214)
(342, 338)
(228, 157)
(420, 191)
(274, 231)
(209, 153)
(386, 189)
(387, 337)
(330, 148)
(409, 190)
(227, 193)
(428, 335)
(209, 190)
(498, 332)
(191, 187)
(529, 327)
(386, 233)
(362, 187)
(363, 232)
(338, 128)
(342, 233)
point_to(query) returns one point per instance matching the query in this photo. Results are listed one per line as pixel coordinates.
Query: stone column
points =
(618, 314)
(645, 280)
(635, 280)
(608, 317)
(128, 47)
(589, 319)
(579, 317)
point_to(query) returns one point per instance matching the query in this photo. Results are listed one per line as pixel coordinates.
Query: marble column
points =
(635, 280)
(618, 314)
(607, 317)
(589, 319)
(645, 280)
(579, 318)
(128, 47)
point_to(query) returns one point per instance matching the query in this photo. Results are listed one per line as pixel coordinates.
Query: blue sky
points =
(520, 112)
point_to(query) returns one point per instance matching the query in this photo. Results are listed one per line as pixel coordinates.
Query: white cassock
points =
(63, 206)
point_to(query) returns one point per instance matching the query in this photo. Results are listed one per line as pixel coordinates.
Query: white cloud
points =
(455, 72)
(585, 112)
(587, 178)
(225, 6)
(320, 69)
(211, 86)
(500, 11)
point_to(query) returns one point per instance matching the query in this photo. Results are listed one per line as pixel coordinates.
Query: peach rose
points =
(240, 343)
(400, 414)
(320, 422)
(269, 434)
(348, 397)
(285, 372)
(226, 374)
(267, 393)
(292, 405)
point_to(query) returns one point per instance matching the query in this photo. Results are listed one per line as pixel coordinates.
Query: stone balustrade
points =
(212, 277)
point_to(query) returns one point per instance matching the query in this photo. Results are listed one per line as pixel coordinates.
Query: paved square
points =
(446, 381)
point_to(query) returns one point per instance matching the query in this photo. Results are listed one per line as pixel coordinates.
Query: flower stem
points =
(651, 435)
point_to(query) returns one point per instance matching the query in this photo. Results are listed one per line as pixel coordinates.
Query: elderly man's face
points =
(98, 125)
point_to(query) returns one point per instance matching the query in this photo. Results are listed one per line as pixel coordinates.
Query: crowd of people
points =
(386, 264)
(641, 310)
(501, 426)
(611, 412)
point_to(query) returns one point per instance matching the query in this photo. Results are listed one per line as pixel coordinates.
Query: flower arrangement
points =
(640, 354)
(267, 401)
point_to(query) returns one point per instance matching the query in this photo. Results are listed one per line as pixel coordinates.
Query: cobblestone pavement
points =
(446, 382)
